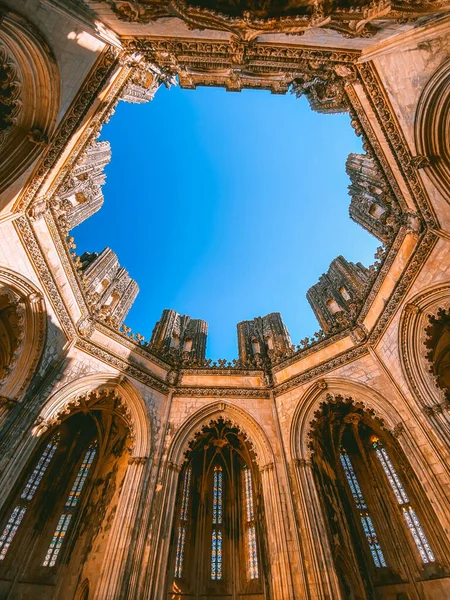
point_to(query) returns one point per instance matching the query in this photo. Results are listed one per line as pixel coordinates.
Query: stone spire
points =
(179, 335)
(81, 195)
(263, 339)
(334, 297)
(110, 289)
(370, 204)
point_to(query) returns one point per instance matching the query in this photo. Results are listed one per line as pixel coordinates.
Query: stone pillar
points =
(156, 580)
(322, 579)
(280, 575)
(121, 532)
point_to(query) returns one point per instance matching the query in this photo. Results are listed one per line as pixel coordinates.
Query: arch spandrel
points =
(135, 412)
(238, 417)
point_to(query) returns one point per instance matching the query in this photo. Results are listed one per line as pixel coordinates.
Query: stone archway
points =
(280, 577)
(29, 105)
(432, 126)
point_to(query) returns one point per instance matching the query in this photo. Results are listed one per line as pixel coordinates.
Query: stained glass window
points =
(71, 503)
(216, 540)
(361, 506)
(409, 514)
(28, 492)
(216, 554)
(217, 495)
(183, 518)
(252, 552)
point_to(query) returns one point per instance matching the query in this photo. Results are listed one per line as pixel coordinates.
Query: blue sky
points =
(226, 206)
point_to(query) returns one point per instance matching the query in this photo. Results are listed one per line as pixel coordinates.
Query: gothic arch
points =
(281, 577)
(135, 410)
(412, 336)
(29, 330)
(29, 106)
(432, 126)
(239, 417)
(310, 401)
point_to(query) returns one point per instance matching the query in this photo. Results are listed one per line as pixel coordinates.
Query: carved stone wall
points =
(263, 339)
(81, 194)
(338, 292)
(180, 336)
(110, 289)
(371, 203)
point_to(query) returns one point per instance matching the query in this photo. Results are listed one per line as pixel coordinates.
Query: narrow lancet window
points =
(252, 553)
(183, 522)
(69, 508)
(361, 506)
(216, 539)
(409, 514)
(28, 492)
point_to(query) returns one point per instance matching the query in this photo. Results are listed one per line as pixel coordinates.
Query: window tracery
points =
(252, 552)
(183, 522)
(28, 492)
(69, 508)
(216, 538)
(366, 520)
(409, 514)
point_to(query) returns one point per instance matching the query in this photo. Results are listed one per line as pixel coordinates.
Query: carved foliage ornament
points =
(250, 18)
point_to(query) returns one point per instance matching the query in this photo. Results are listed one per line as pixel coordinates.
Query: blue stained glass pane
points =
(10, 530)
(248, 484)
(216, 554)
(57, 540)
(252, 551)
(366, 521)
(71, 503)
(186, 490)
(180, 551)
(80, 479)
(411, 519)
(217, 495)
(39, 470)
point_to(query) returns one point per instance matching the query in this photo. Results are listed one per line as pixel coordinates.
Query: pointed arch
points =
(134, 406)
(412, 336)
(312, 398)
(32, 329)
(238, 417)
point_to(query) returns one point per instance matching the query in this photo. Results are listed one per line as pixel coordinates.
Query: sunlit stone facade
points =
(138, 469)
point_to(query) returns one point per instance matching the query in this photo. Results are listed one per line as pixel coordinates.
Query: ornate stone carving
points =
(249, 18)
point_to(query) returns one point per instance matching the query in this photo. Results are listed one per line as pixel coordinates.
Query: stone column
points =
(280, 576)
(322, 579)
(121, 533)
(155, 582)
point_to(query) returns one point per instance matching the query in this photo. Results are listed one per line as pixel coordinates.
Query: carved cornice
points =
(38, 259)
(215, 392)
(115, 361)
(330, 365)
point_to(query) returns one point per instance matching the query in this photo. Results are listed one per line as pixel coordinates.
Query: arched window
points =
(16, 517)
(56, 510)
(250, 525)
(379, 521)
(70, 506)
(216, 539)
(409, 514)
